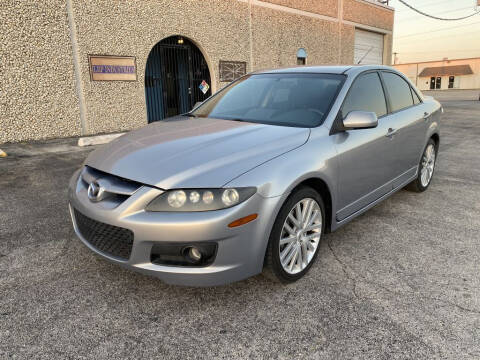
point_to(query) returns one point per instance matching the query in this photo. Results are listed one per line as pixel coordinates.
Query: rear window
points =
(297, 99)
(398, 90)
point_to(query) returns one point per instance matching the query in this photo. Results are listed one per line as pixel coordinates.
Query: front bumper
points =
(240, 250)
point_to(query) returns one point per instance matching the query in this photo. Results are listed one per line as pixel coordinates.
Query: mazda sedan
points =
(251, 179)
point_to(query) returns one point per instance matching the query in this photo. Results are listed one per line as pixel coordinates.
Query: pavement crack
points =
(446, 302)
(354, 280)
(344, 269)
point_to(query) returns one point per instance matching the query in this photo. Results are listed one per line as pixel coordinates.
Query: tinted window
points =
(301, 100)
(398, 90)
(416, 99)
(366, 94)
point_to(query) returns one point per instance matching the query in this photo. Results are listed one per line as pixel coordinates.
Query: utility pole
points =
(416, 75)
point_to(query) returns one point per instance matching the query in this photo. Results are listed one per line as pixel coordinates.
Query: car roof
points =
(336, 69)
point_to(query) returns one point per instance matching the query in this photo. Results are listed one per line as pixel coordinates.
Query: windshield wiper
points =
(237, 119)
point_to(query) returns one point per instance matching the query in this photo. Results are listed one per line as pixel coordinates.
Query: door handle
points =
(425, 115)
(391, 132)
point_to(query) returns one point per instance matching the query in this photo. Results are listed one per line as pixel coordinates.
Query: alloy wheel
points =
(428, 165)
(300, 235)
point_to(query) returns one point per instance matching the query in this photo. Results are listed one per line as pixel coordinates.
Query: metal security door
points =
(176, 79)
(172, 77)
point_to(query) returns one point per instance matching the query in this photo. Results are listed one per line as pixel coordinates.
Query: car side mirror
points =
(197, 104)
(360, 120)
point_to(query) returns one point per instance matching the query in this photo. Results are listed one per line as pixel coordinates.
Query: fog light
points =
(194, 254)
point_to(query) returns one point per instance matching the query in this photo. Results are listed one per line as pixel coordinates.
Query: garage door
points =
(368, 47)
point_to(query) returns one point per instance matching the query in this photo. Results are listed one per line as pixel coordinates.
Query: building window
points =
(301, 56)
(451, 79)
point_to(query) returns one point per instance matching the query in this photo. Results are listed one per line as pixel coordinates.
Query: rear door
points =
(365, 157)
(408, 126)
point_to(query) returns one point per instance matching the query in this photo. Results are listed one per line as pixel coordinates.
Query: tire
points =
(420, 184)
(302, 243)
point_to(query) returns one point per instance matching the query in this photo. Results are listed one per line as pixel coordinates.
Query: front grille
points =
(112, 240)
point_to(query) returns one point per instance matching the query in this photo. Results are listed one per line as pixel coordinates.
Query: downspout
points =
(340, 23)
(77, 68)
(250, 35)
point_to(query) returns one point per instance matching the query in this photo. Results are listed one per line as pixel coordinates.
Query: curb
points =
(98, 140)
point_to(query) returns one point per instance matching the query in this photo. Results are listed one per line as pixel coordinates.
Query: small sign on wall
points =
(112, 68)
(232, 70)
(204, 87)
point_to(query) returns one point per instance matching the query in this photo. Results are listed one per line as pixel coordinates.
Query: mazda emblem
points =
(95, 192)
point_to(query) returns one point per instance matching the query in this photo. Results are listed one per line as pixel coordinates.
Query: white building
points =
(443, 74)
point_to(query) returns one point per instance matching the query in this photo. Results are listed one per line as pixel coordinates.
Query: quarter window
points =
(398, 90)
(366, 94)
(416, 98)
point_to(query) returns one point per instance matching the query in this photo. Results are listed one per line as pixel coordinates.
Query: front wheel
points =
(295, 237)
(425, 168)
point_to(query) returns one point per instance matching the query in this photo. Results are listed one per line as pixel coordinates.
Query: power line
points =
(436, 17)
(442, 12)
(428, 32)
(428, 4)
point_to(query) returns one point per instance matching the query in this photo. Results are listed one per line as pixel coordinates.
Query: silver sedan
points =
(251, 179)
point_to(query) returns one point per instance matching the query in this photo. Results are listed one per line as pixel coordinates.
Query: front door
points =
(438, 83)
(364, 155)
(432, 83)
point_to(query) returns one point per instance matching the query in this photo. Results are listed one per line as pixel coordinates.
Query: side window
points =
(398, 90)
(366, 94)
(416, 99)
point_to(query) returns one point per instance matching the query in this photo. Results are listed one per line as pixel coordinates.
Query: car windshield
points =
(296, 99)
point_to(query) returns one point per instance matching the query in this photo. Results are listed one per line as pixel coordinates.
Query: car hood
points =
(184, 152)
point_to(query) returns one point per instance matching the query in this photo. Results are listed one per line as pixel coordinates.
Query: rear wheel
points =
(426, 168)
(295, 237)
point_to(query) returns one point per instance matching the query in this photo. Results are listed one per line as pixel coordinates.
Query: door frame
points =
(210, 66)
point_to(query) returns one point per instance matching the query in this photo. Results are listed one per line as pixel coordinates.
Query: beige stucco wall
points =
(387, 49)
(219, 28)
(347, 44)
(40, 97)
(322, 7)
(277, 36)
(364, 13)
(461, 81)
(37, 86)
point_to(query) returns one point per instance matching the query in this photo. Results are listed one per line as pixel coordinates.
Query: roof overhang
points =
(446, 70)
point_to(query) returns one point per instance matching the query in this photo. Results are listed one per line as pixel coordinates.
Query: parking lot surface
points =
(399, 282)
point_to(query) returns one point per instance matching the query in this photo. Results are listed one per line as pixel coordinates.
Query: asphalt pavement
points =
(401, 281)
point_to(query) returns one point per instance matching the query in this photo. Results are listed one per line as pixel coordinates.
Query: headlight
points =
(200, 199)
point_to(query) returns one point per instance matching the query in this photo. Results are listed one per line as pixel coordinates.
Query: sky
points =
(418, 38)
